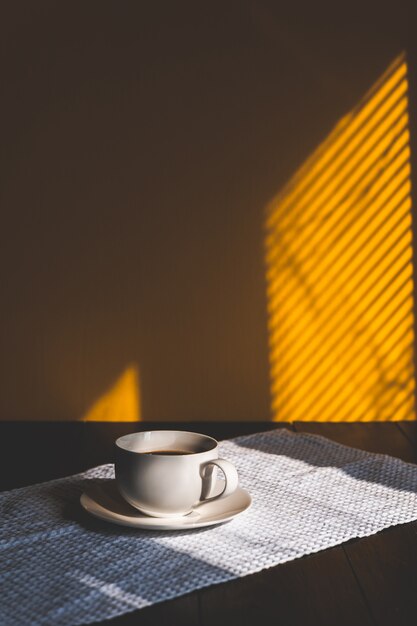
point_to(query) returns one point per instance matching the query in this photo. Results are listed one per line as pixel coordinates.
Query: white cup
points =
(170, 484)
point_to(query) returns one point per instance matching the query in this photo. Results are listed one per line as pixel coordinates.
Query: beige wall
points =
(140, 145)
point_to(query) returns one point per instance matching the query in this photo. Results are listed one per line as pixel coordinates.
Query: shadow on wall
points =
(137, 157)
(339, 270)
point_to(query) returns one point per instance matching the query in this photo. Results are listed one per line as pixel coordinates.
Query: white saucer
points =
(105, 502)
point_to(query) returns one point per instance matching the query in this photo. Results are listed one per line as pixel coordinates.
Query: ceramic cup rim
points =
(124, 438)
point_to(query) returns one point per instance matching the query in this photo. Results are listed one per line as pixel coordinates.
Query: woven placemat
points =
(59, 566)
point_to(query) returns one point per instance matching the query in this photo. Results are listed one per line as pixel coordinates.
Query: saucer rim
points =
(160, 523)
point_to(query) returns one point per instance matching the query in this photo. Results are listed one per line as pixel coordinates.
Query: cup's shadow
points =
(104, 492)
(107, 495)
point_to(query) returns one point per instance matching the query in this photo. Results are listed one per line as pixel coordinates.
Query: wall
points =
(141, 143)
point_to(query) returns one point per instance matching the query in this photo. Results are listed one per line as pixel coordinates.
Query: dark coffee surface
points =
(169, 452)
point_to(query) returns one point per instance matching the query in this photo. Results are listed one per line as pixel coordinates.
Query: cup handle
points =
(231, 478)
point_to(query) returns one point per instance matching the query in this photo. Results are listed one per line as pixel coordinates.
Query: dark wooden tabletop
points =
(364, 581)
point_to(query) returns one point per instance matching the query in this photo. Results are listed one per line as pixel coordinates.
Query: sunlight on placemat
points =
(339, 270)
(121, 403)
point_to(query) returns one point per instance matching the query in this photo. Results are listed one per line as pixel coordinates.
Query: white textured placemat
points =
(58, 566)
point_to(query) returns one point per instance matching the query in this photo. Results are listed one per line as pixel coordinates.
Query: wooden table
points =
(366, 581)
